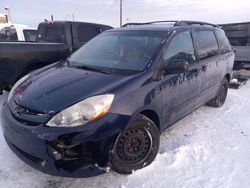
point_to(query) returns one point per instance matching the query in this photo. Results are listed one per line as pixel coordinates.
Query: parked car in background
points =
(106, 105)
(18, 32)
(239, 37)
(55, 41)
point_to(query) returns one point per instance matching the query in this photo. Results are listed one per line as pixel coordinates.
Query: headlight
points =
(83, 112)
(16, 85)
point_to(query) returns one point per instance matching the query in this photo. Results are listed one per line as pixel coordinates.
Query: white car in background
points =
(17, 32)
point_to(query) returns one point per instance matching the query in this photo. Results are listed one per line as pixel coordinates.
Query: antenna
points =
(8, 18)
(120, 13)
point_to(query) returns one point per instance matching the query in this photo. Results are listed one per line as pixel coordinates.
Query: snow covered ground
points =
(209, 148)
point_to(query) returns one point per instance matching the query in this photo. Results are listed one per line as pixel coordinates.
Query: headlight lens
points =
(16, 85)
(87, 110)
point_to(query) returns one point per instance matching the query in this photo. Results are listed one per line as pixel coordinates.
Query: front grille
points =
(20, 110)
(27, 116)
(25, 122)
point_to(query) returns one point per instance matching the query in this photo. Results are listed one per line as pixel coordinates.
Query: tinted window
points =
(86, 32)
(238, 34)
(181, 48)
(129, 51)
(104, 27)
(8, 34)
(239, 41)
(223, 41)
(53, 33)
(207, 44)
(29, 35)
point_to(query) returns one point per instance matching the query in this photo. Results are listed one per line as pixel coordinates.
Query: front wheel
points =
(136, 147)
(221, 96)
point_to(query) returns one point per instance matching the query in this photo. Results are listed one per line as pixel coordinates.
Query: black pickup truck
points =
(55, 41)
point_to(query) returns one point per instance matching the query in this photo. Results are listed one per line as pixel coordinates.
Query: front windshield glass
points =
(128, 51)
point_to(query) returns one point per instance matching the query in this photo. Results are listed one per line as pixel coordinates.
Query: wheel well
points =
(153, 116)
(228, 77)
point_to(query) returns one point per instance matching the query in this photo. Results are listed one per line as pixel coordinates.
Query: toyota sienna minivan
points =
(107, 104)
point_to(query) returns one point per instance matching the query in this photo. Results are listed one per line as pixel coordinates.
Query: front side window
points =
(85, 32)
(180, 48)
(122, 50)
(8, 34)
(207, 44)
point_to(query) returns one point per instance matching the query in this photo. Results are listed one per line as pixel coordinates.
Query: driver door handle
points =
(196, 72)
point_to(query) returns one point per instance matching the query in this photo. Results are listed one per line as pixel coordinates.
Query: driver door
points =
(180, 91)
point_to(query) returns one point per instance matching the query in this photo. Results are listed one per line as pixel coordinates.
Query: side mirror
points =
(176, 66)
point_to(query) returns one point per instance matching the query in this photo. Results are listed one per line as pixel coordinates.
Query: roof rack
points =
(147, 23)
(176, 23)
(183, 23)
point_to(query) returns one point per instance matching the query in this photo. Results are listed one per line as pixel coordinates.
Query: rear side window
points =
(181, 48)
(86, 32)
(207, 44)
(223, 41)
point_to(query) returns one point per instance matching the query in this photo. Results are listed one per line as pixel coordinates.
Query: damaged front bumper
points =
(67, 152)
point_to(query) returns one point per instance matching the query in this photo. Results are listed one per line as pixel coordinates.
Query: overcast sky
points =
(31, 12)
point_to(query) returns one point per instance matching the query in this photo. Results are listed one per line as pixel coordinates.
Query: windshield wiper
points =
(67, 61)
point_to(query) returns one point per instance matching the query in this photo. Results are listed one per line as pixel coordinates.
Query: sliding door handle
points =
(204, 68)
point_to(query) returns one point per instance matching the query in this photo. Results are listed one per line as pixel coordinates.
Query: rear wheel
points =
(221, 96)
(136, 147)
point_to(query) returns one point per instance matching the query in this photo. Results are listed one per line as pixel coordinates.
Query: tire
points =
(136, 146)
(221, 95)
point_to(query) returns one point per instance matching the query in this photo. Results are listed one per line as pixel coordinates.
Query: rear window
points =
(207, 44)
(29, 35)
(223, 41)
(52, 33)
(86, 32)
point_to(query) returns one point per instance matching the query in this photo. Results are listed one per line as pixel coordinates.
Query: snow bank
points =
(209, 148)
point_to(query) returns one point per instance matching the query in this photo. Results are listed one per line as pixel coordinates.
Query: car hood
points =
(58, 87)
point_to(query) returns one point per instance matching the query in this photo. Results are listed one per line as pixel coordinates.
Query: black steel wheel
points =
(221, 96)
(136, 146)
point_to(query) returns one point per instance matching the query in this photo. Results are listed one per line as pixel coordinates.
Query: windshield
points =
(128, 51)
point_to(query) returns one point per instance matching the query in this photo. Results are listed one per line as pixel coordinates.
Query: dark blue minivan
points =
(106, 105)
